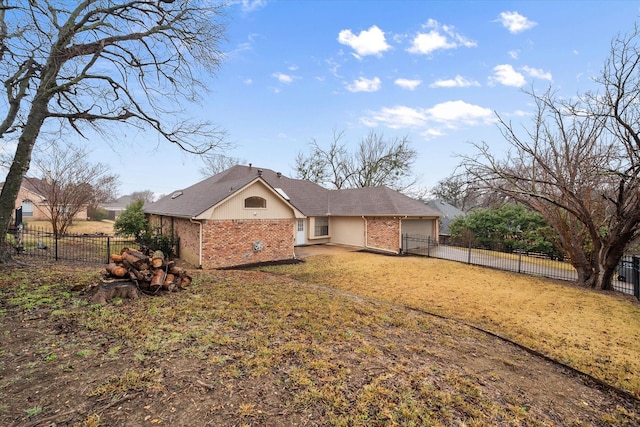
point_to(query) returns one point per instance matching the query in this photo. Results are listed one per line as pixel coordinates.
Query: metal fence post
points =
(469, 257)
(55, 239)
(520, 261)
(428, 245)
(635, 261)
(108, 248)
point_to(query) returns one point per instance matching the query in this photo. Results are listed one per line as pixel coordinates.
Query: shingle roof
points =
(192, 201)
(448, 213)
(309, 198)
(376, 201)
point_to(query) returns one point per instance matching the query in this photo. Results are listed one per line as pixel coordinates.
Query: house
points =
(117, 206)
(248, 215)
(448, 214)
(35, 206)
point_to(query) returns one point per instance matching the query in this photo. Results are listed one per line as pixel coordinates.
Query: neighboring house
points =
(248, 215)
(34, 205)
(116, 207)
(448, 214)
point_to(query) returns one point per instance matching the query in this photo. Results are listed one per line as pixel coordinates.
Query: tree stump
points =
(106, 291)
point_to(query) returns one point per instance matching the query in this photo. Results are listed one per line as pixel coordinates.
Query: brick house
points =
(35, 206)
(247, 215)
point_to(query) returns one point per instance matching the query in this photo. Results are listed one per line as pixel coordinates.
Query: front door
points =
(300, 237)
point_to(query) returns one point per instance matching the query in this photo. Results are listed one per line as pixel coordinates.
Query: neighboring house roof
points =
(449, 213)
(28, 185)
(120, 203)
(309, 198)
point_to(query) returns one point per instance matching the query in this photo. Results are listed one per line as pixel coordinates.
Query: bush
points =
(133, 222)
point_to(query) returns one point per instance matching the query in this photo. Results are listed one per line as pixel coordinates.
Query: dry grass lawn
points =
(248, 348)
(79, 227)
(594, 332)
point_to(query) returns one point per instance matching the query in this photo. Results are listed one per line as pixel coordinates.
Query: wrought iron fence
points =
(627, 279)
(40, 243)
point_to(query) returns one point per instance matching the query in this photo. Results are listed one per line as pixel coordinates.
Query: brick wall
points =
(383, 233)
(189, 234)
(228, 243)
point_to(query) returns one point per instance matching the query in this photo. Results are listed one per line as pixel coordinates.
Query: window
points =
(301, 225)
(255, 202)
(321, 226)
(27, 208)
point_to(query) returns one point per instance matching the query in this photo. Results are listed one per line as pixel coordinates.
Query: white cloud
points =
(453, 113)
(457, 81)
(439, 37)
(283, 78)
(516, 23)
(407, 83)
(446, 115)
(506, 75)
(432, 133)
(252, 5)
(368, 42)
(365, 85)
(248, 81)
(396, 117)
(537, 73)
(514, 53)
(333, 67)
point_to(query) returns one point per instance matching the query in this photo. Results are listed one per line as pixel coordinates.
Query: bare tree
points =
(325, 166)
(69, 184)
(375, 162)
(215, 163)
(579, 166)
(144, 195)
(457, 190)
(69, 66)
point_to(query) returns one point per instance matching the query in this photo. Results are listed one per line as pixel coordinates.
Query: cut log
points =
(170, 278)
(157, 262)
(158, 279)
(116, 258)
(185, 281)
(158, 254)
(116, 270)
(136, 259)
(178, 271)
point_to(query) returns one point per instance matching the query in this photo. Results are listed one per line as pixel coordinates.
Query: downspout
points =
(366, 236)
(193, 221)
(400, 232)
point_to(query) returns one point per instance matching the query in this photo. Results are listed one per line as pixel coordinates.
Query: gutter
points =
(194, 221)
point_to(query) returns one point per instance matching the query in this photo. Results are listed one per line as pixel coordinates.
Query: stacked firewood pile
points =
(132, 271)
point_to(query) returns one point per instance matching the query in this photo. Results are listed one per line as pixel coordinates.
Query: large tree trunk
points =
(610, 256)
(18, 170)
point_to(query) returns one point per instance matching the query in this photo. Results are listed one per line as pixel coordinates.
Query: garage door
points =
(423, 227)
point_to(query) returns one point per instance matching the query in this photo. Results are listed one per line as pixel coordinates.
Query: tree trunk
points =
(19, 168)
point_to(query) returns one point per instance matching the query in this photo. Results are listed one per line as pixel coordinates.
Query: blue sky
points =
(436, 71)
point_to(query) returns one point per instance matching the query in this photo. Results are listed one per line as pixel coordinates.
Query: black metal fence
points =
(627, 279)
(43, 244)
